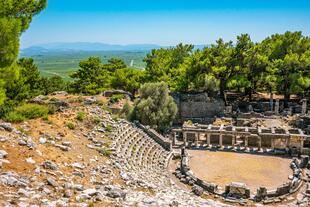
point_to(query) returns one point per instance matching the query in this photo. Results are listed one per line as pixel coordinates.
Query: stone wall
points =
(197, 107)
(160, 139)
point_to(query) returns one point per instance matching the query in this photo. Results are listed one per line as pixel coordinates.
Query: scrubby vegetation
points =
(27, 111)
(155, 107)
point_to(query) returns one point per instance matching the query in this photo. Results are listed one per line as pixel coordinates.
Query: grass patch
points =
(26, 112)
(70, 125)
(105, 152)
(80, 116)
(116, 98)
(109, 128)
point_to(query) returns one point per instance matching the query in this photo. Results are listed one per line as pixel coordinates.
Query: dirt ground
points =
(225, 167)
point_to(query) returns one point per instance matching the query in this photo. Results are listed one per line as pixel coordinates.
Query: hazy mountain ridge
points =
(88, 46)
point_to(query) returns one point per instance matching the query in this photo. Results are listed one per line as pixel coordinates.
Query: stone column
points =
(304, 107)
(272, 143)
(221, 139)
(246, 141)
(208, 139)
(185, 138)
(197, 139)
(233, 140)
(277, 106)
(259, 143)
(271, 102)
(174, 139)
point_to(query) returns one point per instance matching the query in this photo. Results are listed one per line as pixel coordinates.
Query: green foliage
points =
(128, 79)
(52, 84)
(155, 106)
(105, 152)
(15, 17)
(26, 111)
(115, 98)
(127, 111)
(70, 125)
(109, 128)
(94, 76)
(80, 116)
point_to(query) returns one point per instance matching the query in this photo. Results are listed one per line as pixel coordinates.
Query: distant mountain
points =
(87, 46)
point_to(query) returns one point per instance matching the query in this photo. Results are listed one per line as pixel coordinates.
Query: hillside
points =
(72, 160)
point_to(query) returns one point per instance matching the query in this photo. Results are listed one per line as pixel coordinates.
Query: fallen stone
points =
(3, 154)
(42, 140)
(115, 192)
(197, 190)
(3, 139)
(78, 165)
(30, 160)
(50, 165)
(51, 181)
(6, 126)
(90, 100)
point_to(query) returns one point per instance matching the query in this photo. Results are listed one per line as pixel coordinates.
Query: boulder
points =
(90, 100)
(52, 182)
(197, 190)
(6, 126)
(3, 154)
(50, 165)
(115, 192)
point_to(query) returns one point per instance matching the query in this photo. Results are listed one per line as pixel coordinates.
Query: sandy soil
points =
(254, 170)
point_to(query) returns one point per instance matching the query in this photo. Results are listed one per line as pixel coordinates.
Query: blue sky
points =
(165, 22)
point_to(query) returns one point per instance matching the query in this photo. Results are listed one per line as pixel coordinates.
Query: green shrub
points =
(26, 111)
(105, 152)
(108, 128)
(70, 125)
(96, 120)
(80, 116)
(116, 98)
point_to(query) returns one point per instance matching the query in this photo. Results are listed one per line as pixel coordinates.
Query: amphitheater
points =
(144, 158)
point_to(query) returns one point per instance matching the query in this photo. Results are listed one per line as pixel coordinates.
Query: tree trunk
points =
(286, 99)
(222, 91)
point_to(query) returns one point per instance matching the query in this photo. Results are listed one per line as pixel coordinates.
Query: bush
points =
(116, 98)
(96, 120)
(105, 152)
(109, 128)
(27, 111)
(80, 116)
(70, 125)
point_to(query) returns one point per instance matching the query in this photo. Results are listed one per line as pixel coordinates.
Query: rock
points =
(197, 190)
(62, 147)
(68, 193)
(3, 154)
(51, 181)
(38, 100)
(22, 142)
(78, 165)
(3, 139)
(50, 165)
(30, 160)
(42, 140)
(115, 192)
(62, 93)
(90, 100)
(90, 192)
(68, 144)
(6, 126)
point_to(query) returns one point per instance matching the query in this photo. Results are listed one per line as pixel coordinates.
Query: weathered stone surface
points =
(3, 154)
(51, 181)
(50, 165)
(197, 190)
(115, 192)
